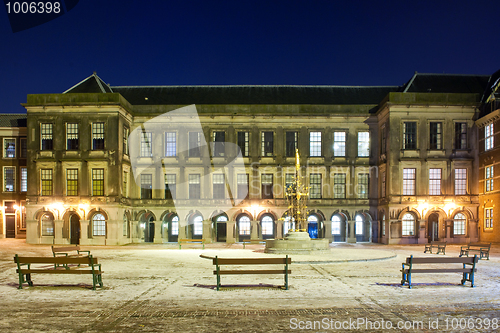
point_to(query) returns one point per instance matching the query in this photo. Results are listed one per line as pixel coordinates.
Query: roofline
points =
(251, 86)
(98, 79)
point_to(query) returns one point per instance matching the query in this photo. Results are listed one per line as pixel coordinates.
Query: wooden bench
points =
(253, 241)
(191, 241)
(440, 246)
(218, 262)
(57, 265)
(482, 249)
(467, 271)
(69, 251)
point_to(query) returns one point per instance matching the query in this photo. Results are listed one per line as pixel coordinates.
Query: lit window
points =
(97, 182)
(434, 181)
(436, 136)
(72, 136)
(339, 144)
(198, 226)
(410, 135)
(408, 225)
(98, 225)
(9, 184)
(170, 144)
(267, 143)
(243, 143)
(46, 137)
(218, 186)
(408, 181)
(488, 137)
(363, 185)
(46, 180)
(460, 181)
(288, 224)
(291, 143)
(146, 186)
(244, 225)
(219, 144)
(339, 185)
(175, 226)
(267, 225)
(460, 135)
(125, 184)
(72, 182)
(194, 186)
(488, 220)
(315, 185)
(97, 136)
(383, 225)
(24, 179)
(47, 224)
(364, 144)
(315, 144)
(170, 190)
(489, 178)
(336, 222)
(267, 186)
(146, 148)
(459, 224)
(9, 148)
(359, 225)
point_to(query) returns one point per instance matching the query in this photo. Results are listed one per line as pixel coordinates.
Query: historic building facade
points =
(116, 165)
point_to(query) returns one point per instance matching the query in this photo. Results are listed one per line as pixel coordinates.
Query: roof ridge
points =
(251, 85)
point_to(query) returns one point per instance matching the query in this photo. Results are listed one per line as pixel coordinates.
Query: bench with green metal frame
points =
(440, 246)
(57, 265)
(191, 241)
(482, 249)
(468, 267)
(218, 262)
(253, 241)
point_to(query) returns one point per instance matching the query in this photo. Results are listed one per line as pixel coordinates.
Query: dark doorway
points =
(221, 231)
(433, 227)
(149, 230)
(10, 226)
(74, 221)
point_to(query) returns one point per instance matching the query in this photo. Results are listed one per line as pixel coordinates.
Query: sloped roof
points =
(447, 83)
(12, 120)
(92, 84)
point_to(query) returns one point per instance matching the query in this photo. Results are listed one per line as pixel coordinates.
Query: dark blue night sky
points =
(248, 42)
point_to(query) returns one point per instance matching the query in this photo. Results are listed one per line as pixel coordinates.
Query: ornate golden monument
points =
(297, 195)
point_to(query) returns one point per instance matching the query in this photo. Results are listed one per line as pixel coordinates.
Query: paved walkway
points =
(159, 288)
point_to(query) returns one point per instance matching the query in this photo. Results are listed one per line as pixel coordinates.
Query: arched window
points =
(267, 225)
(98, 225)
(198, 225)
(459, 224)
(336, 222)
(244, 225)
(359, 225)
(47, 223)
(175, 226)
(221, 218)
(383, 225)
(408, 225)
(312, 218)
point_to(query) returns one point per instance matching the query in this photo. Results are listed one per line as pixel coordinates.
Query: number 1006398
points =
(40, 7)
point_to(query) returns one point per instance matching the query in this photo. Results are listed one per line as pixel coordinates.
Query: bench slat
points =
(439, 270)
(252, 261)
(59, 271)
(441, 260)
(267, 271)
(55, 260)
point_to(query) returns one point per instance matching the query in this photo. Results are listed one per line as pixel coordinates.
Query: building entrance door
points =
(221, 231)
(75, 229)
(433, 227)
(10, 226)
(312, 229)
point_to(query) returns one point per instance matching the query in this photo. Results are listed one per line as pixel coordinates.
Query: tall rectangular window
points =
(267, 186)
(460, 135)
(170, 183)
(125, 184)
(315, 185)
(46, 137)
(409, 181)
(339, 144)
(72, 136)
(126, 133)
(46, 180)
(194, 143)
(97, 136)
(194, 186)
(315, 144)
(289, 178)
(488, 218)
(383, 140)
(488, 137)
(24, 148)
(146, 147)
(436, 136)
(243, 143)
(363, 144)
(97, 182)
(410, 135)
(363, 185)
(9, 179)
(434, 181)
(24, 179)
(488, 179)
(9, 148)
(382, 185)
(170, 144)
(71, 182)
(267, 143)
(146, 186)
(460, 181)
(218, 186)
(219, 139)
(243, 191)
(339, 185)
(291, 143)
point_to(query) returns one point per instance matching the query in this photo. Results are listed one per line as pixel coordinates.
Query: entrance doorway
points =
(149, 230)
(74, 221)
(10, 226)
(221, 229)
(433, 227)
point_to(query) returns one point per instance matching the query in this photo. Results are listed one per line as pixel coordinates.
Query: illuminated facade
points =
(384, 164)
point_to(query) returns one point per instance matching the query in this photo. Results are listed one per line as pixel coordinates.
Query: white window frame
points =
(315, 144)
(488, 137)
(339, 144)
(364, 144)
